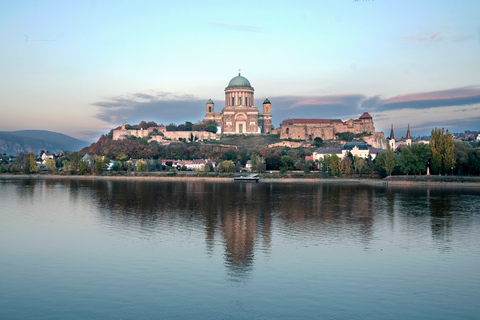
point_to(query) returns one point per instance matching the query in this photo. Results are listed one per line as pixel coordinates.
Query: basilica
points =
(240, 116)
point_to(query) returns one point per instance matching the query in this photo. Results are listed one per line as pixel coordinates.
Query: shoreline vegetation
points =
(293, 178)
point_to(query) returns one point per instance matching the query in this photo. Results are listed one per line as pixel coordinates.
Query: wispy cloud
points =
(235, 27)
(444, 35)
(421, 100)
(430, 37)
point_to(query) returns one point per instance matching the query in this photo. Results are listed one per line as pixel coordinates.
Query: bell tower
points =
(210, 109)
(267, 116)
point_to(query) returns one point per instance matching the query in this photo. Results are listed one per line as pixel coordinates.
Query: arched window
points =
(287, 131)
(209, 109)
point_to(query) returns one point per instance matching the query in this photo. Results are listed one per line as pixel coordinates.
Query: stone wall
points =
(201, 135)
(171, 135)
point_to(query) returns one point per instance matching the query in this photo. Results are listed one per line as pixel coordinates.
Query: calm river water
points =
(79, 249)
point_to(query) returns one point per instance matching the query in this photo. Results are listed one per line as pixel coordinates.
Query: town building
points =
(239, 115)
(356, 148)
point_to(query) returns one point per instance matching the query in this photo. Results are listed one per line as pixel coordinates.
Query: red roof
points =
(365, 115)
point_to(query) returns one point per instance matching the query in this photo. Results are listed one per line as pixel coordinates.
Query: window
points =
(240, 101)
(209, 109)
(233, 101)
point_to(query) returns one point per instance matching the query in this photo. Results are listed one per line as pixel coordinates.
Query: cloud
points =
(162, 107)
(421, 100)
(421, 109)
(235, 27)
(440, 36)
(430, 37)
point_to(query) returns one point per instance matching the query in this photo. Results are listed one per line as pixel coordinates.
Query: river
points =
(100, 249)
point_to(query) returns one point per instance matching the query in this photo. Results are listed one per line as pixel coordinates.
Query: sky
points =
(84, 67)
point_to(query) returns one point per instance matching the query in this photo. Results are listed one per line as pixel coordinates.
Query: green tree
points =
(141, 165)
(448, 153)
(334, 164)
(227, 166)
(389, 162)
(211, 126)
(51, 165)
(82, 167)
(359, 164)
(442, 148)
(74, 159)
(287, 162)
(2, 168)
(318, 142)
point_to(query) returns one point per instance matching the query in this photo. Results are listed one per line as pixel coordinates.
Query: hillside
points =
(13, 142)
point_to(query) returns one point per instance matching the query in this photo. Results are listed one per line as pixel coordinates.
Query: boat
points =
(250, 178)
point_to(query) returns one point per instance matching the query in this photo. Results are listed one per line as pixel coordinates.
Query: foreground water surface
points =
(81, 249)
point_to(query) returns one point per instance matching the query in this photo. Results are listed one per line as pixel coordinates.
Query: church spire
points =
(391, 133)
(408, 132)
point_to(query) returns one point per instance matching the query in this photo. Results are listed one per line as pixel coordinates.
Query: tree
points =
(32, 164)
(448, 153)
(389, 163)
(346, 165)
(82, 167)
(273, 162)
(442, 148)
(51, 165)
(211, 126)
(226, 166)
(258, 163)
(334, 164)
(318, 142)
(141, 165)
(287, 162)
(74, 161)
(359, 164)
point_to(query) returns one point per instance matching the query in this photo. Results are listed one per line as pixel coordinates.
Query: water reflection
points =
(242, 219)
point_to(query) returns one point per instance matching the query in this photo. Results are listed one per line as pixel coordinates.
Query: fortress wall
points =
(201, 135)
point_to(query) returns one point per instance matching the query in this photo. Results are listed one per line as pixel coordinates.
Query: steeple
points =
(391, 140)
(408, 140)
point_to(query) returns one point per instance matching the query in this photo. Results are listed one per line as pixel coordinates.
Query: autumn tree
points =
(51, 165)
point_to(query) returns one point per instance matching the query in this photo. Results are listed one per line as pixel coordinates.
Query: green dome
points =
(239, 81)
(209, 101)
(266, 101)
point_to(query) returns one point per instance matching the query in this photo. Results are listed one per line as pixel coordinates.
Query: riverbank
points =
(418, 181)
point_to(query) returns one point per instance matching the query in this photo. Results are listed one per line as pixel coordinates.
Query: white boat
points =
(250, 178)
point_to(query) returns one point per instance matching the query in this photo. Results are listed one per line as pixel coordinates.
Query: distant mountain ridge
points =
(14, 142)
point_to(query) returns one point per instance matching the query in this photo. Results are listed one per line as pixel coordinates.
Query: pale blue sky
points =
(84, 67)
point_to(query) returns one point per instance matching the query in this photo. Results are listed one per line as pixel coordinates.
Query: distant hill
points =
(13, 142)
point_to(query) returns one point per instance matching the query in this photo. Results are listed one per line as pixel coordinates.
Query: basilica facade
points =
(239, 115)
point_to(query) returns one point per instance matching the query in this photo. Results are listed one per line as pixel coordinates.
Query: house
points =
(356, 148)
(46, 156)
